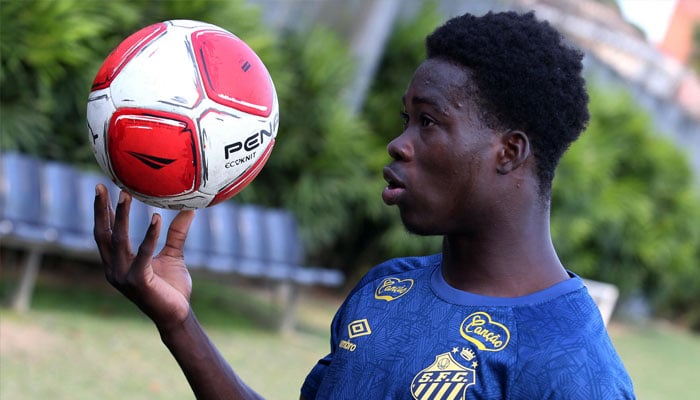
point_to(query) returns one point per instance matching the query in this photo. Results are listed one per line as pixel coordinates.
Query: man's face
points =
(443, 160)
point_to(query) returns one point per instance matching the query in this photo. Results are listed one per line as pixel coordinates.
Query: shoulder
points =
(573, 373)
(398, 267)
(569, 353)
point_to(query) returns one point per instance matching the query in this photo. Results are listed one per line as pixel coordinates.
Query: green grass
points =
(663, 360)
(82, 340)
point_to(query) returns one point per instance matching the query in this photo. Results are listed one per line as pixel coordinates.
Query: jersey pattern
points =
(404, 333)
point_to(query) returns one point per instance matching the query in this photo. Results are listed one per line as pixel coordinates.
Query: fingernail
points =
(153, 219)
(97, 192)
(122, 196)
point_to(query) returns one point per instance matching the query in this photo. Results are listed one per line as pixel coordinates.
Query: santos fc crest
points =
(443, 379)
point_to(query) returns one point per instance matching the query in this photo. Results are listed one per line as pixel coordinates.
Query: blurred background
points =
(626, 198)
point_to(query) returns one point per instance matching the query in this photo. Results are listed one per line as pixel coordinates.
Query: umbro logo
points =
(152, 161)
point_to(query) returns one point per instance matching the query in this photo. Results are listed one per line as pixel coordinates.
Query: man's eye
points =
(426, 121)
(404, 118)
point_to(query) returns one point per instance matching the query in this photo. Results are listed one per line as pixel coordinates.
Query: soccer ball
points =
(182, 115)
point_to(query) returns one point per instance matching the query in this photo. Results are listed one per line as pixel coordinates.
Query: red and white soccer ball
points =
(182, 114)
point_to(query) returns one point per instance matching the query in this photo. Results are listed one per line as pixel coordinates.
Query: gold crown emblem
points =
(467, 354)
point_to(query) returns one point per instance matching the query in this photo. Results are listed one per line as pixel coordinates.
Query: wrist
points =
(175, 330)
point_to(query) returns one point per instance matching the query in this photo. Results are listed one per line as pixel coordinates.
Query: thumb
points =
(177, 234)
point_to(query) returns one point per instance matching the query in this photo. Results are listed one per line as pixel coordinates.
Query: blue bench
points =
(47, 207)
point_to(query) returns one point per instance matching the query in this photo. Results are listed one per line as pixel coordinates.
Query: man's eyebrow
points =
(427, 101)
(421, 100)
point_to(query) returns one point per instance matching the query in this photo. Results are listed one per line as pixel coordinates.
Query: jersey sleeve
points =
(313, 381)
(570, 356)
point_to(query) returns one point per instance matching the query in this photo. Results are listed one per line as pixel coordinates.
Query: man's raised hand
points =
(159, 285)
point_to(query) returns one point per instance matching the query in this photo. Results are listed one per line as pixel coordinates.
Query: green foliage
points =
(52, 49)
(47, 48)
(625, 209)
(694, 60)
(319, 168)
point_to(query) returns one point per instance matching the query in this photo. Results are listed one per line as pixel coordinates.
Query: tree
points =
(51, 51)
(47, 48)
(321, 167)
(625, 207)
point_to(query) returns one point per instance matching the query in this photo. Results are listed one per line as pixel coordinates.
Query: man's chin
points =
(417, 228)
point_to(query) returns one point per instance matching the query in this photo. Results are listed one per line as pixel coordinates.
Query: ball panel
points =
(99, 111)
(191, 201)
(191, 24)
(247, 177)
(231, 143)
(233, 74)
(154, 153)
(124, 52)
(163, 77)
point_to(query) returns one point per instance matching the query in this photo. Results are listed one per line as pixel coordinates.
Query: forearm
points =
(208, 373)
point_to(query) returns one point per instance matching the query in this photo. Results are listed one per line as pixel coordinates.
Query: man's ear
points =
(515, 149)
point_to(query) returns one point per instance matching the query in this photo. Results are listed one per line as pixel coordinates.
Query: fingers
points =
(104, 220)
(147, 248)
(177, 234)
(121, 247)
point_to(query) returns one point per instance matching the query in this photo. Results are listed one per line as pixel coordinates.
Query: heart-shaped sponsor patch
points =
(484, 333)
(393, 288)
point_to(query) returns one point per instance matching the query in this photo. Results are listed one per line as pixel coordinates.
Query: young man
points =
(495, 315)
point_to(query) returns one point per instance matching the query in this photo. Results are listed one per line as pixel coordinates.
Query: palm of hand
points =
(169, 287)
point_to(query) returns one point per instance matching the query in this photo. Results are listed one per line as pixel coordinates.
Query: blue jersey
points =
(404, 333)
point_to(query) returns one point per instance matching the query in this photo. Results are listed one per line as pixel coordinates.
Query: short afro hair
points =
(527, 78)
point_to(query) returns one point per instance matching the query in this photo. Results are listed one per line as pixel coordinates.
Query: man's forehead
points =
(440, 86)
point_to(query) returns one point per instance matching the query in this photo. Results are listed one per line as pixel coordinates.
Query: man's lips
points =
(394, 188)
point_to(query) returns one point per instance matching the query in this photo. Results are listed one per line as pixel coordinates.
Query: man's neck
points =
(507, 265)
